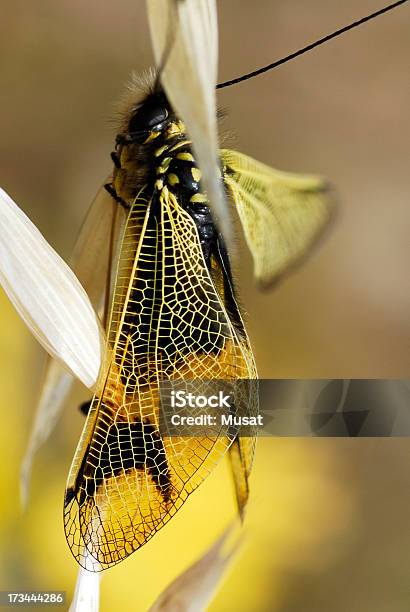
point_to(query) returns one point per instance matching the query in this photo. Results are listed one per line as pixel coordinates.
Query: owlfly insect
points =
(173, 315)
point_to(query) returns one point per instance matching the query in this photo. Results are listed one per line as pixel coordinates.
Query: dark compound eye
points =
(147, 118)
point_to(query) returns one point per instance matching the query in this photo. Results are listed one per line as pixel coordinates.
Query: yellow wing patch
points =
(282, 214)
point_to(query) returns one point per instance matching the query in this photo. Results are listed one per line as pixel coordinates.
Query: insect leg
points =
(85, 407)
(111, 190)
(115, 158)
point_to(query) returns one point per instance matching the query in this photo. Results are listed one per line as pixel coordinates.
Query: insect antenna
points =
(317, 43)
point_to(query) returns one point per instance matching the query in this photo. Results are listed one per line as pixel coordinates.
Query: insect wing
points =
(242, 449)
(95, 251)
(167, 323)
(282, 214)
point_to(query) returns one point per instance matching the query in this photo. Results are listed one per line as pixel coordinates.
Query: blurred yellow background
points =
(328, 525)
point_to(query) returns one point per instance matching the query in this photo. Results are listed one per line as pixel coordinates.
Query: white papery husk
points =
(185, 41)
(195, 588)
(87, 592)
(56, 387)
(47, 295)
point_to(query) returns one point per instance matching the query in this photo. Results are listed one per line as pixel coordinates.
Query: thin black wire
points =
(352, 25)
